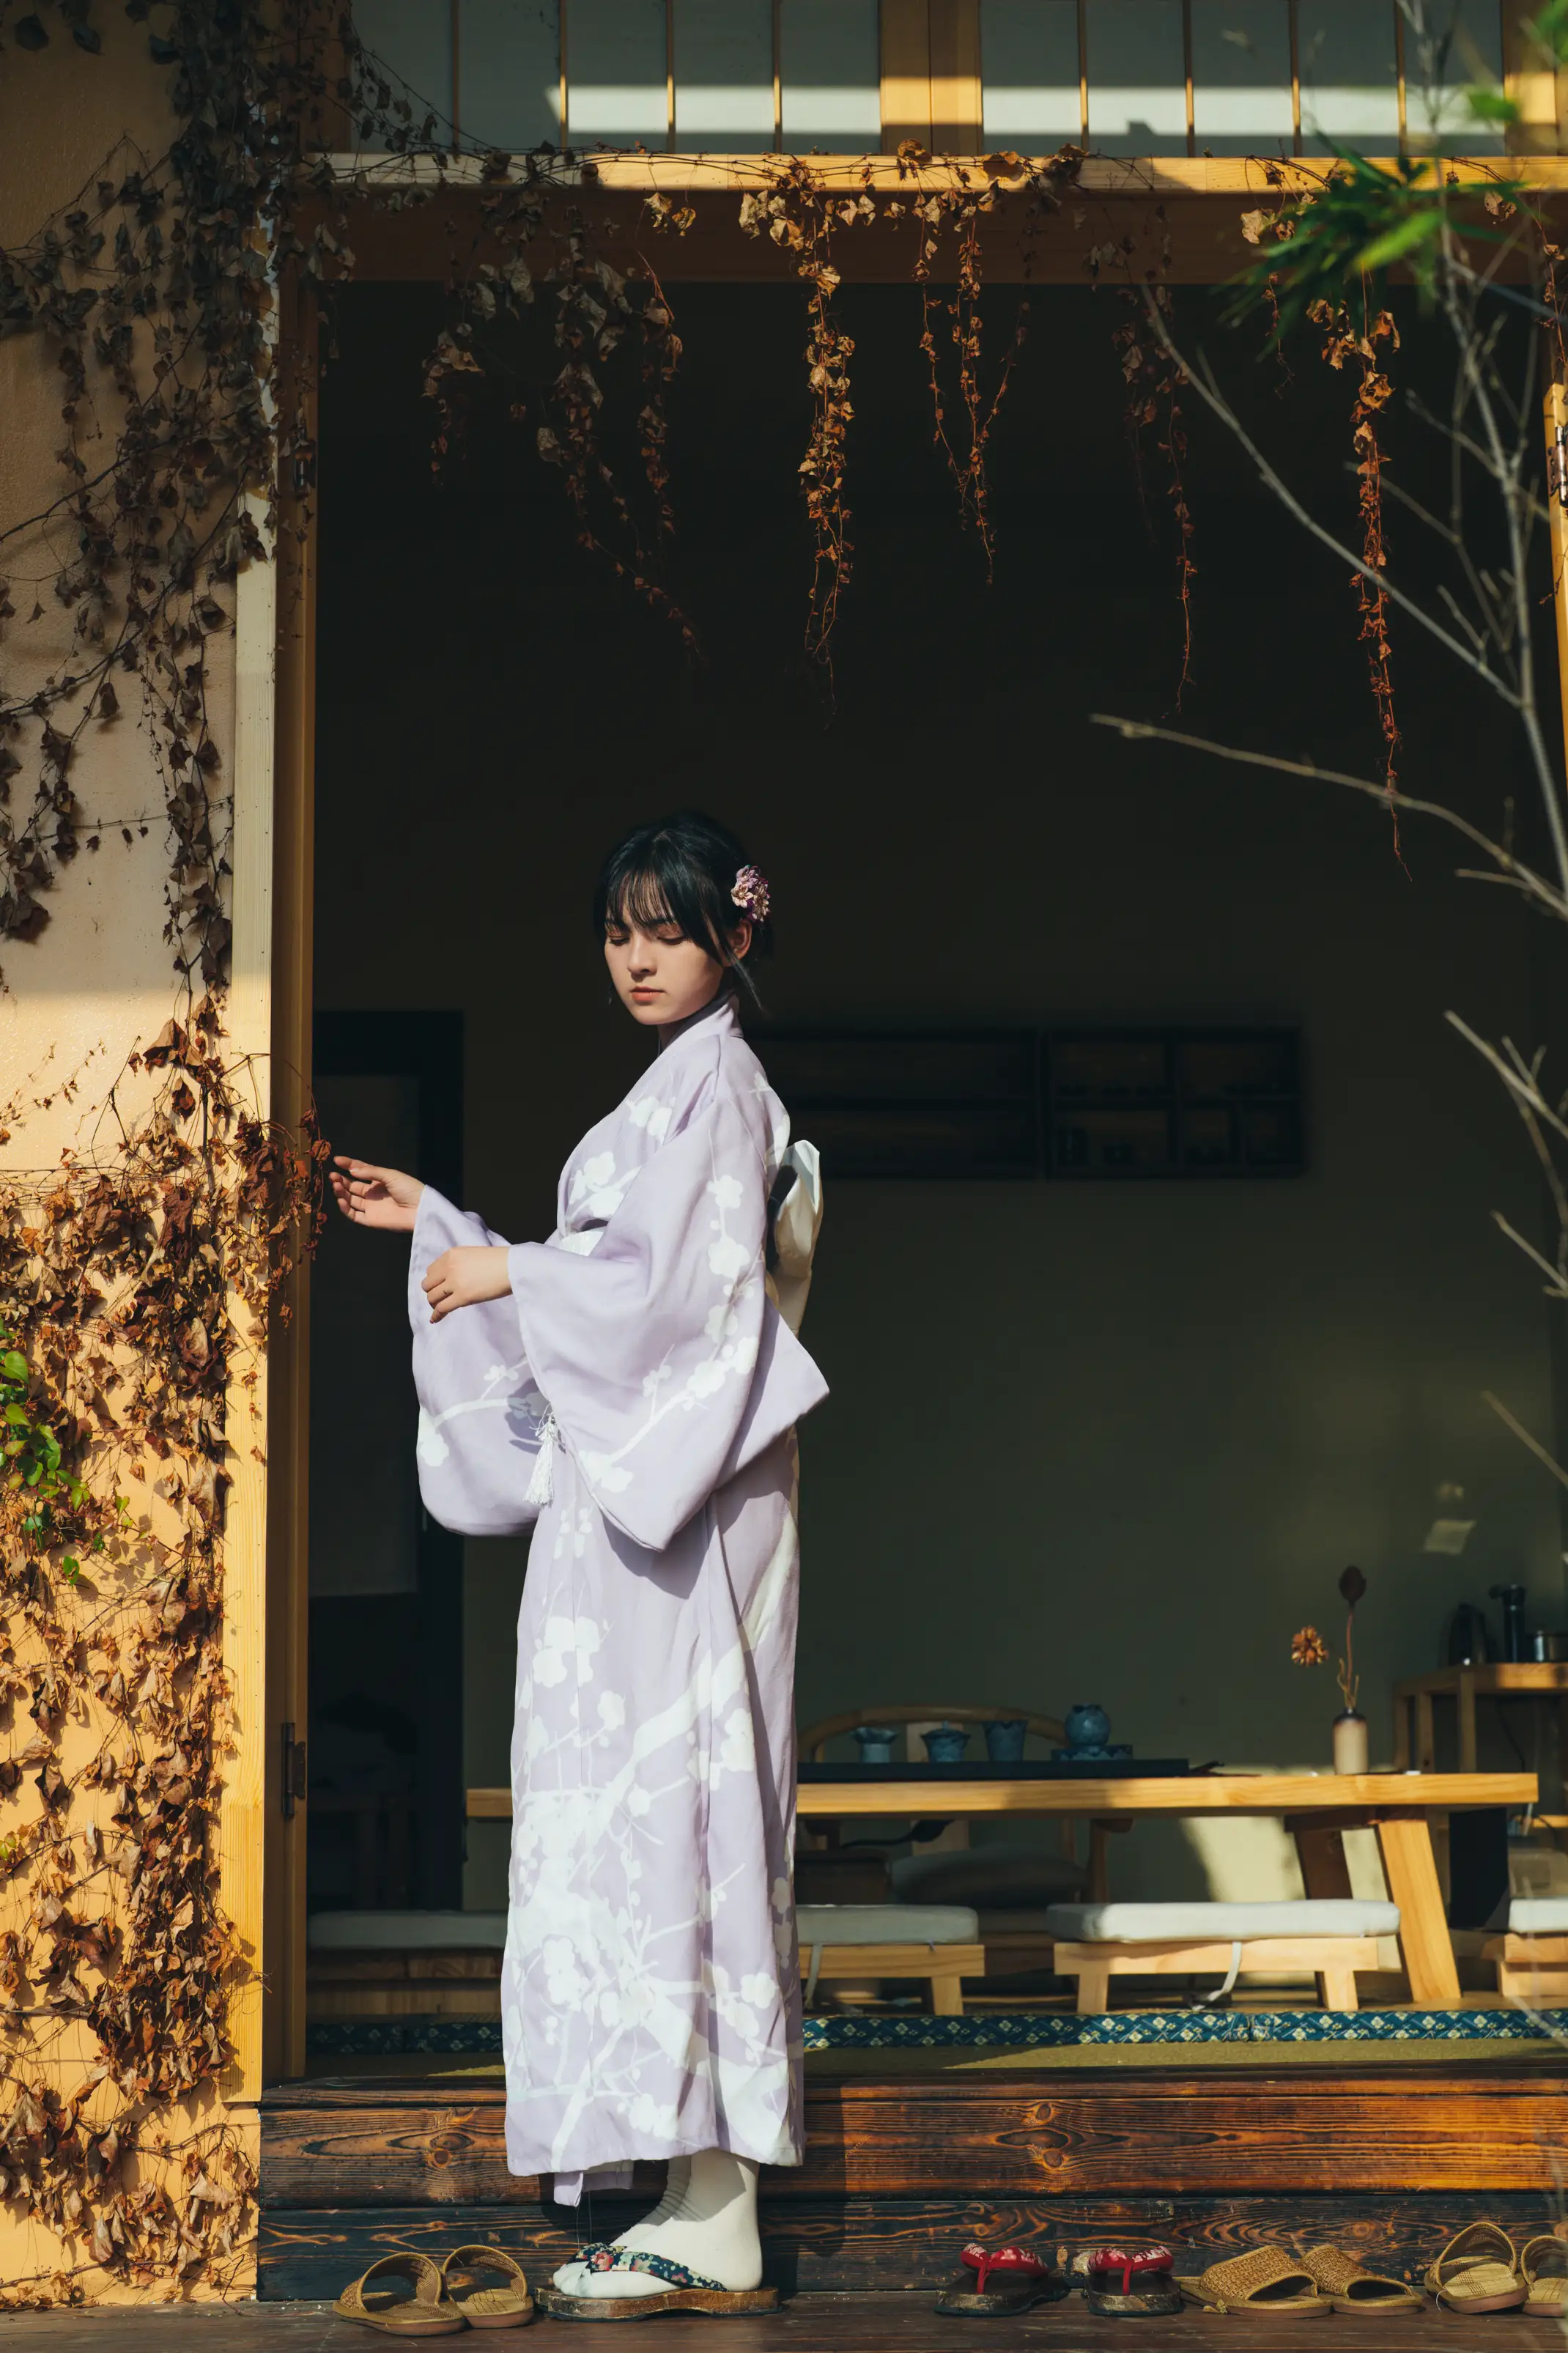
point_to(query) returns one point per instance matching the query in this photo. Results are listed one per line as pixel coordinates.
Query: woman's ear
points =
(740, 939)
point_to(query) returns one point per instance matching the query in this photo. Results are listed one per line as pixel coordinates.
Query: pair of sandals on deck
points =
(1480, 2270)
(456, 2297)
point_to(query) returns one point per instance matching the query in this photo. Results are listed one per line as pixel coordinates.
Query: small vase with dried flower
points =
(1351, 1734)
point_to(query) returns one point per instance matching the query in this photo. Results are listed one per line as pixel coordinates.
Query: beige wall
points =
(99, 979)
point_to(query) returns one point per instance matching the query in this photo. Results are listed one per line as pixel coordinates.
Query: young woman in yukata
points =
(632, 1385)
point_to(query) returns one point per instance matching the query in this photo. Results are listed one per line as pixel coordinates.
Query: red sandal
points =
(1006, 2280)
(1121, 2281)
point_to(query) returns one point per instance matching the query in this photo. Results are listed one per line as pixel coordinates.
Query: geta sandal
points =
(1006, 2280)
(507, 2306)
(426, 2313)
(685, 2291)
(1350, 2287)
(1121, 2283)
(1478, 2270)
(1264, 2281)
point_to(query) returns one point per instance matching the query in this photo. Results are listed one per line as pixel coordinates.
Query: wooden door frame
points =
(261, 1844)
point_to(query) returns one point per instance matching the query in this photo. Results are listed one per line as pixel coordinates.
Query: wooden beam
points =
(957, 126)
(906, 73)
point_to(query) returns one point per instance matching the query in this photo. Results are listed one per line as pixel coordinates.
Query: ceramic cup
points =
(946, 1745)
(876, 1742)
(1004, 1741)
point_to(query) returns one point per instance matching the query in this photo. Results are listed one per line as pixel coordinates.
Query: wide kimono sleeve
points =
(481, 1417)
(666, 1365)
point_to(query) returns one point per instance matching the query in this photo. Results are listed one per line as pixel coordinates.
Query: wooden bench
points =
(1096, 1942)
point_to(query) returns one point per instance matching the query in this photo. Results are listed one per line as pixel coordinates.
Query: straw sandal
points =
(1478, 2270)
(1543, 2267)
(507, 2306)
(685, 2291)
(426, 2313)
(1265, 2280)
(1006, 2280)
(1350, 2287)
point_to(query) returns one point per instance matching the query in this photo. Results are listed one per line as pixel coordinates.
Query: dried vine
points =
(1154, 379)
(1345, 346)
(120, 1280)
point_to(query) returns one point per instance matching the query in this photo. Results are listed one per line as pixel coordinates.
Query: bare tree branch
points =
(1513, 869)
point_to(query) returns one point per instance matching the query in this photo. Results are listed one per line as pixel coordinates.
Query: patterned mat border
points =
(1018, 2031)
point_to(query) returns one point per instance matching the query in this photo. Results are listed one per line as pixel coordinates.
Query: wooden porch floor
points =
(810, 2324)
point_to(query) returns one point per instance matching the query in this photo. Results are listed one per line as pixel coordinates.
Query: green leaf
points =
(1491, 105)
(12, 1366)
(1403, 237)
(72, 1567)
(15, 1416)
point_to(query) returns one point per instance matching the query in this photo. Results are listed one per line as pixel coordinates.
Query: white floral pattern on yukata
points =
(651, 1995)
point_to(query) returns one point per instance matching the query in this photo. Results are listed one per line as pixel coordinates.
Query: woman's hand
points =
(383, 1197)
(462, 1277)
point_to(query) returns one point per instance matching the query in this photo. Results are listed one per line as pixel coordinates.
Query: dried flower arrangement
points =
(1307, 1648)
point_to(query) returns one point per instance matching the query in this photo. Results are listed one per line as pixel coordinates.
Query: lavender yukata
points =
(637, 1394)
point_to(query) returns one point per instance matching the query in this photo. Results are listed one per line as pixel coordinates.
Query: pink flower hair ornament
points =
(752, 895)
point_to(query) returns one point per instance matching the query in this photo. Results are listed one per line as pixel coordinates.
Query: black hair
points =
(681, 870)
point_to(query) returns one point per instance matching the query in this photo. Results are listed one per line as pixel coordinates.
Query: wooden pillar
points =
(1531, 79)
(1557, 489)
(956, 125)
(930, 75)
(289, 1399)
(905, 73)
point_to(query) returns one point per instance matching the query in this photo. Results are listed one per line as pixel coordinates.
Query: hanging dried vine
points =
(796, 210)
(1346, 346)
(1155, 378)
(963, 209)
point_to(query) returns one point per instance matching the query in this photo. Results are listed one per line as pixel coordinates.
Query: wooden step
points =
(1494, 2125)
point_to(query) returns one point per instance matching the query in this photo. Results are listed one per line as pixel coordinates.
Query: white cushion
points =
(1539, 1915)
(1151, 1923)
(886, 1924)
(405, 1932)
(996, 1878)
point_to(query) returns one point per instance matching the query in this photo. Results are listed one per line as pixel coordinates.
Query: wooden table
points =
(1415, 1729)
(1316, 1810)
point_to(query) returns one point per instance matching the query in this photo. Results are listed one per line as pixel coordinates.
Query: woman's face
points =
(659, 976)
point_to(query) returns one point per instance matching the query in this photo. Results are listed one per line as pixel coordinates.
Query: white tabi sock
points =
(706, 2220)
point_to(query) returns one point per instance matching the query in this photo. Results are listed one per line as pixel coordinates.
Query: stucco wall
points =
(99, 979)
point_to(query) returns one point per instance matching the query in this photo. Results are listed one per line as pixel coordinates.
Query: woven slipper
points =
(1264, 2281)
(996, 2281)
(509, 2305)
(426, 2313)
(1478, 2270)
(1350, 2287)
(685, 2291)
(1121, 2283)
(1543, 2267)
